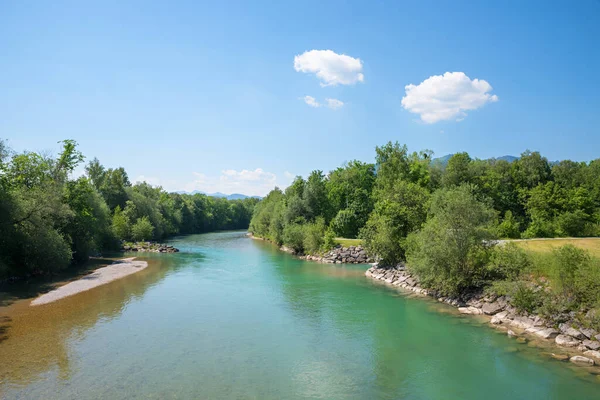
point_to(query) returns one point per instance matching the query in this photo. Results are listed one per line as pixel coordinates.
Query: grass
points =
(349, 242)
(546, 245)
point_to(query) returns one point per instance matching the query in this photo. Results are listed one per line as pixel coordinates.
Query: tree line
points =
(443, 221)
(385, 201)
(50, 220)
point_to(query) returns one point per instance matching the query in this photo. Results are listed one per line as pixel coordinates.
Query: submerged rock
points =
(592, 353)
(566, 341)
(582, 360)
(559, 357)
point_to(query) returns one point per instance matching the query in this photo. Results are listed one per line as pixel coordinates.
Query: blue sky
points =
(212, 96)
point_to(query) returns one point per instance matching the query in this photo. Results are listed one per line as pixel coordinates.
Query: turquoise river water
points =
(234, 318)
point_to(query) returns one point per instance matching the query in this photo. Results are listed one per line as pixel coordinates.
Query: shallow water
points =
(230, 317)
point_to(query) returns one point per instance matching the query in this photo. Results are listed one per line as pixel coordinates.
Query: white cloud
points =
(255, 182)
(447, 97)
(311, 101)
(288, 175)
(331, 68)
(148, 179)
(334, 104)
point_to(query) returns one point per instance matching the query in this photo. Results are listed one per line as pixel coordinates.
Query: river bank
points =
(337, 255)
(100, 276)
(578, 345)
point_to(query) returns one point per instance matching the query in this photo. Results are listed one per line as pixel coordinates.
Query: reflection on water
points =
(36, 339)
(231, 317)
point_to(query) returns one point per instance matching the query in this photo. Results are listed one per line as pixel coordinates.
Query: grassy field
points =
(348, 242)
(546, 245)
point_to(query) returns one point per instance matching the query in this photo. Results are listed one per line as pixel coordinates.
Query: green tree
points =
(142, 229)
(450, 252)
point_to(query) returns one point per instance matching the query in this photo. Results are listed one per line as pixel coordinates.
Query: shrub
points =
(329, 240)
(142, 229)
(345, 223)
(525, 298)
(313, 236)
(509, 227)
(293, 237)
(452, 249)
(508, 262)
(568, 260)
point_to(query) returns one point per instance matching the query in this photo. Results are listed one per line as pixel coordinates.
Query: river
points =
(234, 318)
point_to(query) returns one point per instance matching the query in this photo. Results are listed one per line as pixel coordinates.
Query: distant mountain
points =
(233, 196)
(443, 161)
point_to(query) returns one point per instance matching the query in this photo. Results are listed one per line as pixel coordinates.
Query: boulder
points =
(581, 360)
(511, 333)
(570, 331)
(559, 357)
(591, 344)
(470, 310)
(548, 333)
(499, 318)
(589, 333)
(492, 308)
(522, 322)
(592, 353)
(566, 341)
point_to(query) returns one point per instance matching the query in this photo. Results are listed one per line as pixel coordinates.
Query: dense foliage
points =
(49, 220)
(443, 218)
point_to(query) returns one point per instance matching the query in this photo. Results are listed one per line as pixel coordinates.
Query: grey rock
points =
(566, 341)
(511, 333)
(491, 308)
(522, 322)
(592, 353)
(548, 333)
(581, 360)
(591, 344)
(589, 333)
(470, 310)
(574, 333)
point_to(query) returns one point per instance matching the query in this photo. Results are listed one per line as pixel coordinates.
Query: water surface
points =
(234, 318)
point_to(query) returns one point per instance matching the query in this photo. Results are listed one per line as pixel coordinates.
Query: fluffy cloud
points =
(311, 101)
(447, 97)
(331, 68)
(334, 103)
(257, 182)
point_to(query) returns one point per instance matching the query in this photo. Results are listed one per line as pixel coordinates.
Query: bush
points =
(345, 223)
(450, 252)
(509, 227)
(508, 261)
(525, 298)
(313, 236)
(142, 229)
(293, 237)
(568, 260)
(329, 240)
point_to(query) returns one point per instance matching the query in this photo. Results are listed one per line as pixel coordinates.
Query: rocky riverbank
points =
(148, 247)
(342, 255)
(581, 345)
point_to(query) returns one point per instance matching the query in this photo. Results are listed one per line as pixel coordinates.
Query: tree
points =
(458, 170)
(142, 229)
(450, 251)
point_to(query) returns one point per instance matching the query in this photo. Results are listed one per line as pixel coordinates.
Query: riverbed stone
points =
(470, 310)
(522, 322)
(589, 333)
(566, 341)
(592, 344)
(592, 353)
(570, 331)
(492, 308)
(581, 360)
(548, 333)
(559, 357)
(511, 333)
